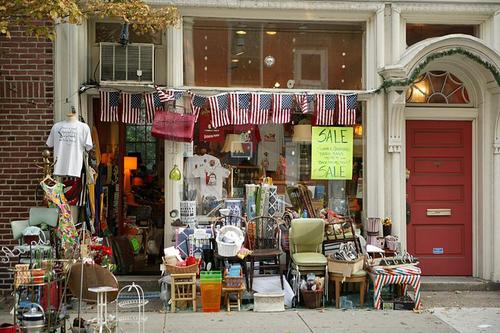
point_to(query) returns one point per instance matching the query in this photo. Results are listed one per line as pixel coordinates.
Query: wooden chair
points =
(265, 245)
(183, 288)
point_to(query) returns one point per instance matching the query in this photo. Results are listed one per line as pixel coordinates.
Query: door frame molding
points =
(451, 114)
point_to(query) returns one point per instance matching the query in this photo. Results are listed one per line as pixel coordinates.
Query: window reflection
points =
(263, 54)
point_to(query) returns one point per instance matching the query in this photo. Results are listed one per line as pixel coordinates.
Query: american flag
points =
(239, 108)
(304, 100)
(110, 100)
(153, 104)
(261, 104)
(282, 108)
(131, 108)
(169, 94)
(219, 110)
(197, 103)
(347, 109)
(325, 109)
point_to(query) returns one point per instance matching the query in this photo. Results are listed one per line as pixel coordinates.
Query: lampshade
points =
(105, 158)
(233, 144)
(302, 133)
(130, 163)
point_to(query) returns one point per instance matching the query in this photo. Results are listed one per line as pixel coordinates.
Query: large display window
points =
(235, 53)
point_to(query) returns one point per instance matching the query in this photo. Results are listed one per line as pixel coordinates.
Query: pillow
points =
(18, 228)
(39, 215)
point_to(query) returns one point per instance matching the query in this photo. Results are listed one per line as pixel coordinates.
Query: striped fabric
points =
(304, 100)
(282, 108)
(153, 104)
(239, 108)
(406, 276)
(347, 105)
(110, 101)
(169, 94)
(197, 103)
(131, 108)
(219, 110)
(260, 107)
(325, 109)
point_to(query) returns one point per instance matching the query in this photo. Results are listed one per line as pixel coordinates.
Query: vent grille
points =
(123, 63)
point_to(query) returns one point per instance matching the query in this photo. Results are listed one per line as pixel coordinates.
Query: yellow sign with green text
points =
(332, 152)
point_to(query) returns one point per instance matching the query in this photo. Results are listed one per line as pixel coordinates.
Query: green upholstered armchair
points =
(306, 239)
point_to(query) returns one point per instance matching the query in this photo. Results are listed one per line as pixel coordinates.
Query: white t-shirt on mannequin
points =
(69, 138)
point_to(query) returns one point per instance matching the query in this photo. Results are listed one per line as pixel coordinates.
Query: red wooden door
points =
(439, 190)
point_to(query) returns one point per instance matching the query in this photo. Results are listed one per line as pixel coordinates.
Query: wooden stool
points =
(359, 277)
(183, 287)
(238, 291)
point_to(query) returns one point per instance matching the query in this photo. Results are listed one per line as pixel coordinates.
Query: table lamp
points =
(129, 163)
(233, 144)
(302, 133)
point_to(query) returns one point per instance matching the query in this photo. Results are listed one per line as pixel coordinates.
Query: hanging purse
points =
(173, 126)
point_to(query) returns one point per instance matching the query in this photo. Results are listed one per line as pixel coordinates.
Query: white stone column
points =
(374, 164)
(173, 150)
(70, 67)
(395, 125)
(496, 186)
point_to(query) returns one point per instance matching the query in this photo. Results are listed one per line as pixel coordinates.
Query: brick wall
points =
(26, 116)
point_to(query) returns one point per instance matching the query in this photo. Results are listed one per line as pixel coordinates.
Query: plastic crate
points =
(211, 290)
(210, 296)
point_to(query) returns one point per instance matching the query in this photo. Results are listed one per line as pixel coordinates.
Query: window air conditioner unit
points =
(132, 63)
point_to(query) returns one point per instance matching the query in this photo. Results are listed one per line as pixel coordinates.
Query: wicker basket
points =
(232, 281)
(229, 249)
(346, 268)
(171, 269)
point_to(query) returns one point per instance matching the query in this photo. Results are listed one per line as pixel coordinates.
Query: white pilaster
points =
(70, 61)
(173, 150)
(396, 34)
(380, 31)
(496, 189)
(496, 30)
(395, 118)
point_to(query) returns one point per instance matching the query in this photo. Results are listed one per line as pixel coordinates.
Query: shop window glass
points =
(139, 142)
(437, 87)
(110, 32)
(418, 32)
(228, 159)
(268, 54)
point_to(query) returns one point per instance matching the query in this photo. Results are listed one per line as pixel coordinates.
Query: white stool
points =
(102, 305)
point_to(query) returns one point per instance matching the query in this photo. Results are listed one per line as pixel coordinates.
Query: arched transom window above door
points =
(437, 87)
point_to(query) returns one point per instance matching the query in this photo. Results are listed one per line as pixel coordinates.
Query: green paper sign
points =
(332, 152)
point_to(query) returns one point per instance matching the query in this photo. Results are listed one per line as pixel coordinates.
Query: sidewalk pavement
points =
(462, 312)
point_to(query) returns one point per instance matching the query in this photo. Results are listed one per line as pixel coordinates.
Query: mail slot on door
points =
(439, 212)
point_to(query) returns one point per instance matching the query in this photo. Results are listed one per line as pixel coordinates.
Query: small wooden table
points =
(339, 279)
(183, 288)
(238, 291)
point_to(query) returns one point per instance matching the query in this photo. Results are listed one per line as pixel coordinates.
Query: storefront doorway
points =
(439, 194)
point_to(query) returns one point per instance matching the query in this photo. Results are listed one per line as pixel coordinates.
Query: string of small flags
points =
(233, 108)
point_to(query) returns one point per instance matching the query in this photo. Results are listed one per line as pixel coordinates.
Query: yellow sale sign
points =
(332, 152)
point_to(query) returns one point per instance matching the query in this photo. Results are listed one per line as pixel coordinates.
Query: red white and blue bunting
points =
(233, 108)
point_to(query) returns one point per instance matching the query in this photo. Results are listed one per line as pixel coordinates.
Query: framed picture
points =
(311, 68)
(241, 150)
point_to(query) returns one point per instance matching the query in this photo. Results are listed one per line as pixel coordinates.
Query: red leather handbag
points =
(173, 126)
